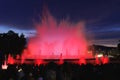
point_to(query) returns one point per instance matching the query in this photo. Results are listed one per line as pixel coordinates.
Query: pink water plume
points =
(54, 40)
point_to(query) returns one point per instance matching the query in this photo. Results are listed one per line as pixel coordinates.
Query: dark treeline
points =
(11, 43)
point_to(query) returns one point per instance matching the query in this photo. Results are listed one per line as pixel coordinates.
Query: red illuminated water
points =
(38, 62)
(10, 59)
(53, 39)
(97, 61)
(105, 60)
(82, 61)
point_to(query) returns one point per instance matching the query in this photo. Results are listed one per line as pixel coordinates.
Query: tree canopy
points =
(12, 43)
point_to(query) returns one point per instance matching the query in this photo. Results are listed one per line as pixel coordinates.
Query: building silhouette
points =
(118, 46)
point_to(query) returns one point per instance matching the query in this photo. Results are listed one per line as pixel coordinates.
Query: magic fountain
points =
(54, 40)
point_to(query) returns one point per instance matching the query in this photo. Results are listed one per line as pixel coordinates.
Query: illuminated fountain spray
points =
(10, 59)
(4, 66)
(100, 59)
(54, 39)
(61, 60)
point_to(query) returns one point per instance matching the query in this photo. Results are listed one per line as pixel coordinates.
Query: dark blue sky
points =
(102, 17)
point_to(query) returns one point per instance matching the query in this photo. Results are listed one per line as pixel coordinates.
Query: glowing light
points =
(99, 55)
(4, 66)
(20, 70)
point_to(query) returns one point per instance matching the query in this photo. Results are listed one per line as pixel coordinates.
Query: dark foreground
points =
(66, 71)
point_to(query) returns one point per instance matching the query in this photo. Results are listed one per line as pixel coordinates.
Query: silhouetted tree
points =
(12, 43)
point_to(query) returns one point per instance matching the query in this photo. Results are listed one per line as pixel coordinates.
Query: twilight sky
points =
(102, 17)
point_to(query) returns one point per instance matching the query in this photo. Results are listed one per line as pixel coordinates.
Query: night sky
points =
(102, 17)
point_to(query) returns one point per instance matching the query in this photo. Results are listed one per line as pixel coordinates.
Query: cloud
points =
(20, 13)
(106, 42)
(102, 17)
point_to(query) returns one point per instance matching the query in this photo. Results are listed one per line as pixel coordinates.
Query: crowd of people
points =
(65, 71)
